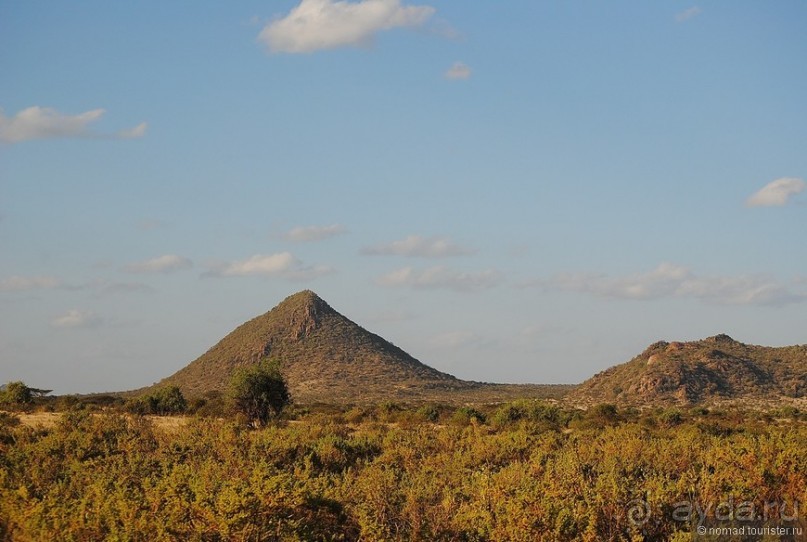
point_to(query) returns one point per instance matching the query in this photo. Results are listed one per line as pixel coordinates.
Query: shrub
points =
(428, 413)
(356, 414)
(389, 411)
(466, 415)
(213, 404)
(16, 394)
(163, 401)
(671, 417)
(508, 414)
(259, 393)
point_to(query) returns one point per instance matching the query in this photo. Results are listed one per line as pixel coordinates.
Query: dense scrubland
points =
(527, 470)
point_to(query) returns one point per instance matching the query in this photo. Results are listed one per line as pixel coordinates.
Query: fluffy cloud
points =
(44, 123)
(327, 24)
(259, 264)
(688, 14)
(660, 282)
(282, 264)
(458, 70)
(440, 277)
(75, 318)
(21, 284)
(162, 264)
(776, 193)
(669, 280)
(304, 234)
(417, 246)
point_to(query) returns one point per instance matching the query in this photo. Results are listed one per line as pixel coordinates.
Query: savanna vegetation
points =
(526, 470)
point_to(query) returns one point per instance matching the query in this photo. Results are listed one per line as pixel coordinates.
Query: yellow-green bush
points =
(116, 477)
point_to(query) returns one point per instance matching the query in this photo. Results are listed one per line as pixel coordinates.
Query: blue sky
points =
(520, 193)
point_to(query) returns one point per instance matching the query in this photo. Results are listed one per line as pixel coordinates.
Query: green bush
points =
(16, 395)
(163, 401)
(429, 413)
(259, 393)
(671, 417)
(467, 416)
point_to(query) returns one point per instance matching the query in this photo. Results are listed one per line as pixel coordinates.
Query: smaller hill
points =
(710, 370)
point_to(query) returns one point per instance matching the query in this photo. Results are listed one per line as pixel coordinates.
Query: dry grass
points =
(48, 420)
(168, 423)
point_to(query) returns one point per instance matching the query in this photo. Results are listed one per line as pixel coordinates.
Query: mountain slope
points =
(324, 357)
(712, 369)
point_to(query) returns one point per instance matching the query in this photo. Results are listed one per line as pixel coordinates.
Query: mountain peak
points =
(303, 312)
(323, 356)
(721, 338)
(302, 297)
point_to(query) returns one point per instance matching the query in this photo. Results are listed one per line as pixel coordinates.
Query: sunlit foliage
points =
(522, 471)
(259, 392)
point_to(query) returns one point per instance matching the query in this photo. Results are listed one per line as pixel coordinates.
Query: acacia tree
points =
(259, 392)
(16, 394)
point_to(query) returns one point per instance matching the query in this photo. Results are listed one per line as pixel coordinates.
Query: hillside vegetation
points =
(713, 369)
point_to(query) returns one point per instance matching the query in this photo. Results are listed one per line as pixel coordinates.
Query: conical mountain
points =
(323, 355)
(710, 370)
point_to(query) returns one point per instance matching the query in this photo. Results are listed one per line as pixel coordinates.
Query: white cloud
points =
(440, 277)
(458, 70)
(41, 122)
(669, 280)
(776, 193)
(75, 318)
(282, 264)
(20, 284)
(662, 281)
(134, 133)
(688, 14)
(303, 234)
(259, 264)
(327, 24)
(162, 264)
(417, 246)
(44, 123)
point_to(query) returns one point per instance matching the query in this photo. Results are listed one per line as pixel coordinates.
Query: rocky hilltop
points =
(714, 369)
